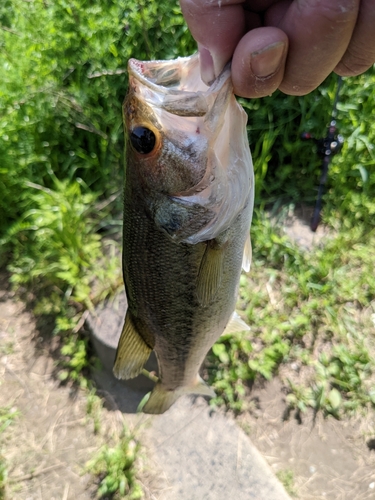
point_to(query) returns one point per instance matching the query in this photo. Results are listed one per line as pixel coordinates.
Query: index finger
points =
(217, 27)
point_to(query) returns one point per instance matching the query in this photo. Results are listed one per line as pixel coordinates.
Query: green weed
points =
(63, 82)
(115, 469)
(55, 242)
(3, 478)
(286, 477)
(58, 254)
(310, 310)
(94, 406)
(7, 416)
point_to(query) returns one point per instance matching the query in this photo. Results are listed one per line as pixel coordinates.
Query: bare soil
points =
(327, 458)
(50, 441)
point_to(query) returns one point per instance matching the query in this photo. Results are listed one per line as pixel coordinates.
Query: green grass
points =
(310, 312)
(58, 254)
(114, 467)
(286, 477)
(7, 416)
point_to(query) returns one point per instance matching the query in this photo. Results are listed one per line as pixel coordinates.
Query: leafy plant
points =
(286, 477)
(115, 468)
(63, 83)
(309, 310)
(7, 416)
(93, 408)
(229, 370)
(57, 252)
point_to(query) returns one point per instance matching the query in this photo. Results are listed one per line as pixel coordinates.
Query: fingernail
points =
(206, 64)
(265, 62)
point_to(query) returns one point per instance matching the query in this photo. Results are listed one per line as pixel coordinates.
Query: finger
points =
(319, 33)
(217, 27)
(360, 54)
(259, 5)
(252, 21)
(258, 62)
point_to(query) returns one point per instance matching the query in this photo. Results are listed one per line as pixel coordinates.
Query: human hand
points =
(292, 45)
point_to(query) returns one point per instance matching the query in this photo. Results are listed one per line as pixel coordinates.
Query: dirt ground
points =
(50, 441)
(326, 459)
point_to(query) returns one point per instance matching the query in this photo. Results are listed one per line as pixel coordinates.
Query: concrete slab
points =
(205, 455)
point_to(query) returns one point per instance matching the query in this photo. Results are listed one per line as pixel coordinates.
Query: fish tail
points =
(132, 352)
(161, 398)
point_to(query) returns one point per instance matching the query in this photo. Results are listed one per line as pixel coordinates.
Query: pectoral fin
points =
(247, 255)
(210, 274)
(161, 399)
(132, 352)
(236, 324)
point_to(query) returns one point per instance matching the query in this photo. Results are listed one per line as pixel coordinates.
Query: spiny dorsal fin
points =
(210, 273)
(236, 324)
(132, 352)
(247, 255)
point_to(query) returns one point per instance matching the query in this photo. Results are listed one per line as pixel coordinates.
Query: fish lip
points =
(142, 71)
(138, 69)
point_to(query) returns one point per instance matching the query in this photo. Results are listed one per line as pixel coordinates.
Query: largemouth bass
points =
(188, 205)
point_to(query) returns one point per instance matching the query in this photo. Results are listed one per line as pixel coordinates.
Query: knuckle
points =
(333, 12)
(355, 61)
(351, 68)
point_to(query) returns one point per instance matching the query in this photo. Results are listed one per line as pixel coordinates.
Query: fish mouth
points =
(177, 74)
(176, 85)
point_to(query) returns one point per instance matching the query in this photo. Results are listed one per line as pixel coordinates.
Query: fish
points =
(188, 203)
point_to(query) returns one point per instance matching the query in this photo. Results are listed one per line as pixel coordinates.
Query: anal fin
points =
(236, 324)
(160, 400)
(132, 352)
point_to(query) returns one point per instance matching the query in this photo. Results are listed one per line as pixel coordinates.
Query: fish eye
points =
(143, 140)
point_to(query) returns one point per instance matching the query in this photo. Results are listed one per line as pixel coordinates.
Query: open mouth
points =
(176, 85)
(180, 74)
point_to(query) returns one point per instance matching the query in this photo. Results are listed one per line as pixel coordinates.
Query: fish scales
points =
(183, 245)
(177, 318)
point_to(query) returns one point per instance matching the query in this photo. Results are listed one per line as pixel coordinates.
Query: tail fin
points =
(161, 399)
